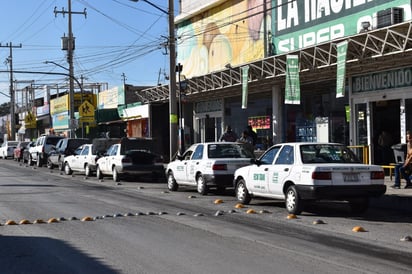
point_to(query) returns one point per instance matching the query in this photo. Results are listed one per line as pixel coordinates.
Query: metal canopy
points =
(369, 51)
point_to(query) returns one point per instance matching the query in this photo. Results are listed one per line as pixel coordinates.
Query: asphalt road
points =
(96, 226)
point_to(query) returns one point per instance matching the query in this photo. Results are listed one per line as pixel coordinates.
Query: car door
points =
(77, 159)
(194, 164)
(111, 159)
(259, 173)
(281, 169)
(180, 166)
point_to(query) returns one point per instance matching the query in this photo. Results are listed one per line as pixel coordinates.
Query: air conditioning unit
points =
(389, 17)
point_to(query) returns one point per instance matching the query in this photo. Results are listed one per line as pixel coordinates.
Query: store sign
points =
(341, 69)
(292, 85)
(389, 79)
(209, 106)
(59, 104)
(305, 23)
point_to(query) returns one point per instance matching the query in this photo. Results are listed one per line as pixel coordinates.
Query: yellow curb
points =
(250, 211)
(39, 221)
(10, 222)
(358, 229)
(52, 220)
(239, 206)
(218, 201)
(291, 216)
(24, 222)
(87, 219)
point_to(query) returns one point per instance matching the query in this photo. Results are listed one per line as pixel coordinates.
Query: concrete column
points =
(277, 117)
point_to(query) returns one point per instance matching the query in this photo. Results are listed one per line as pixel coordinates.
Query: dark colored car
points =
(18, 151)
(63, 148)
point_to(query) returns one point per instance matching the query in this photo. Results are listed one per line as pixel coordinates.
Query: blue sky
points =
(116, 37)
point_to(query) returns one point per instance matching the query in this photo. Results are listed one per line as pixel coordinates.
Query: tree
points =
(5, 109)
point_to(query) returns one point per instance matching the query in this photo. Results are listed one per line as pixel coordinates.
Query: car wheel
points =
(87, 171)
(202, 188)
(38, 162)
(116, 177)
(67, 169)
(359, 206)
(294, 205)
(49, 164)
(171, 182)
(99, 173)
(242, 194)
(30, 161)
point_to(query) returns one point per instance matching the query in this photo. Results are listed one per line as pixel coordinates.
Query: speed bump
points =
(39, 221)
(291, 216)
(87, 219)
(358, 229)
(251, 211)
(239, 206)
(24, 222)
(10, 222)
(52, 220)
(218, 201)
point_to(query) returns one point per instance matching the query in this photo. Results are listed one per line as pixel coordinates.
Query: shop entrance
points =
(386, 130)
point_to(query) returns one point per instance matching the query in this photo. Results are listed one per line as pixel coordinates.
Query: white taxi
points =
(207, 165)
(300, 172)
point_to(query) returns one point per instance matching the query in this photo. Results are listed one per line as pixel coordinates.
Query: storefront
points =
(381, 102)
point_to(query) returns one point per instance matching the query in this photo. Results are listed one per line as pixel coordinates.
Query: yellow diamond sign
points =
(86, 109)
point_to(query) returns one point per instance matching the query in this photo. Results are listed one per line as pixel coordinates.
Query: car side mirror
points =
(255, 162)
(179, 157)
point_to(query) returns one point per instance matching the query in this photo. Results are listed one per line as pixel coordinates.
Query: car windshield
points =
(327, 153)
(229, 151)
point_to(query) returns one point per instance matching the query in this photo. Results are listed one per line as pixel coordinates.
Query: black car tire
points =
(38, 162)
(116, 175)
(49, 164)
(202, 188)
(67, 169)
(171, 182)
(87, 171)
(242, 194)
(293, 203)
(99, 173)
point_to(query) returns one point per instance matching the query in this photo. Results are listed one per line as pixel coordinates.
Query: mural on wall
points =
(231, 33)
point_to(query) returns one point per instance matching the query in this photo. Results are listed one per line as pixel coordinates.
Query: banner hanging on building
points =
(292, 85)
(245, 74)
(342, 49)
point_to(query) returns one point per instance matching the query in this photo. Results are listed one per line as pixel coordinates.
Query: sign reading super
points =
(302, 23)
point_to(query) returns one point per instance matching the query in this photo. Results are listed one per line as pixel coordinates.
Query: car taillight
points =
(375, 175)
(318, 175)
(126, 160)
(219, 167)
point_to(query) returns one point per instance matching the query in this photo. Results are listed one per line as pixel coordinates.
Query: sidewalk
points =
(397, 199)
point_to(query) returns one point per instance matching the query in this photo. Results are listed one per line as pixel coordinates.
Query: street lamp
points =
(172, 82)
(56, 64)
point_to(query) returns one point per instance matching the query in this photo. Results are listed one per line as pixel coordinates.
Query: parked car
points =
(85, 157)
(301, 172)
(7, 149)
(26, 152)
(62, 149)
(18, 151)
(132, 157)
(40, 150)
(207, 165)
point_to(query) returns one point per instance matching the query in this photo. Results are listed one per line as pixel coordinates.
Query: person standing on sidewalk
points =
(401, 168)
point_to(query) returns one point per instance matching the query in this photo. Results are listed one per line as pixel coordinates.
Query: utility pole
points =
(70, 49)
(123, 78)
(12, 97)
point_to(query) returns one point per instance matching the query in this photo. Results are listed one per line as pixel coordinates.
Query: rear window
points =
(52, 140)
(229, 151)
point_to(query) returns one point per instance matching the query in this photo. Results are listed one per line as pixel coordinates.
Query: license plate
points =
(351, 177)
